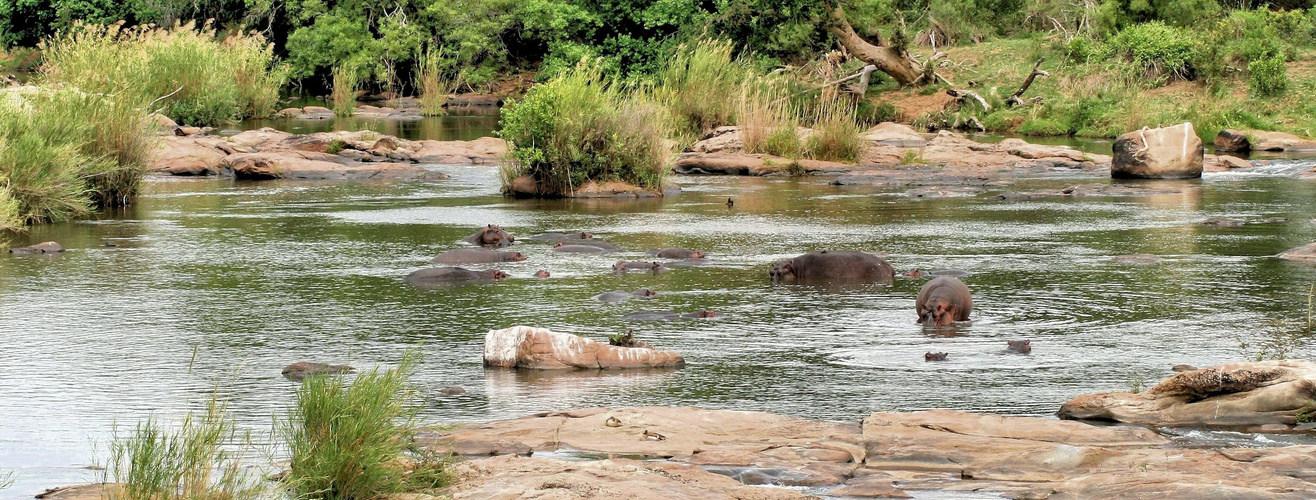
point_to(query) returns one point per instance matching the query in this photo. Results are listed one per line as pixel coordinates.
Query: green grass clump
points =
(695, 84)
(189, 463)
(343, 97)
(335, 146)
(581, 127)
(433, 83)
(64, 152)
(348, 440)
(189, 73)
(836, 134)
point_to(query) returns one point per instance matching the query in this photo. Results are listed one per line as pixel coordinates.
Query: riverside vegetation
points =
(347, 441)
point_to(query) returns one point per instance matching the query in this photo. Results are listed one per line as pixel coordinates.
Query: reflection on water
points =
(215, 286)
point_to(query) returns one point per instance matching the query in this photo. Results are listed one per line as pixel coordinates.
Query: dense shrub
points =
(1267, 76)
(1155, 50)
(582, 127)
(696, 83)
(190, 74)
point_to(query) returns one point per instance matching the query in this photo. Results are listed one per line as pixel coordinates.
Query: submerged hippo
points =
(934, 356)
(942, 301)
(620, 296)
(562, 236)
(1019, 346)
(623, 266)
(541, 274)
(663, 315)
(608, 246)
(39, 248)
(476, 256)
(577, 248)
(827, 265)
(677, 253)
(490, 236)
(439, 275)
(303, 369)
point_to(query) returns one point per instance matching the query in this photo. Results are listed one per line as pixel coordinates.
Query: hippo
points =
(942, 301)
(562, 236)
(490, 236)
(676, 253)
(620, 296)
(476, 256)
(622, 266)
(912, 274)
(303, 369)
(827, 266)
(934, 356)
(438, 275)
(1019, 346)
(605, 245)
(39, 248)
(663, 315)
(541, 274)
(577, 248)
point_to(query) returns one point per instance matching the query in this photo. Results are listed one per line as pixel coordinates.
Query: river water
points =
(214, 286)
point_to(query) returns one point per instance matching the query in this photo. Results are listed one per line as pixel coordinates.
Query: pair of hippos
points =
(941, 302)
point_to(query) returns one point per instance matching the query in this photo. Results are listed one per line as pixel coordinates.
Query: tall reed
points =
(433, 82)
(698, 84)
(186, 71)
(767, 118)
(582, 127)
(348, 439)
(836, 132)
(188, 463)
(343, 98)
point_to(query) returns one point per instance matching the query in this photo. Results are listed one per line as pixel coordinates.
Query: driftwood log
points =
(1016, 100)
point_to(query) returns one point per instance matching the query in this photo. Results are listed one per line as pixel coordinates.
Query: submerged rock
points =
(1305, 253)
(1242, 141)
(1229, 395)
(1159, 153)
(1232, 141)
(303, 369)
(542, 349)
(895, 134)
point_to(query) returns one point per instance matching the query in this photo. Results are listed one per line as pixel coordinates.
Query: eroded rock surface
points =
(1230, 395)
(1158, 153)
(888, 455)
(543, 349)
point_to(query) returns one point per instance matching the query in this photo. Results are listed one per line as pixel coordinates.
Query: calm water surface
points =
(215, 286)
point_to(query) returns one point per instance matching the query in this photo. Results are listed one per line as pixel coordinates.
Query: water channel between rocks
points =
(214, 286)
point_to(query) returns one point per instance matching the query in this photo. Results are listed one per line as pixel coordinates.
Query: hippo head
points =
(1021, 346)
(499, 275)
(644, 292)
(934, 356)
(518, 257)
(494, 235)
(585, 236)
(782, 270)
(541, 274)
(558, 244)
(914, 273)
(937, 312)
(707, 314)
(696, 255)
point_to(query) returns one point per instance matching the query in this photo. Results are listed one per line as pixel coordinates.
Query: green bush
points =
(695, 84)
(190, 74)
(1155, 51)
(63, 152)
(1268, 76)
(348, 440)
(343, 97)
(836, 135)
(581, 127)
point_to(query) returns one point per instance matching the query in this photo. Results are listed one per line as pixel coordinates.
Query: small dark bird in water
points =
(111, 244)
(934, 356)
(730, 203)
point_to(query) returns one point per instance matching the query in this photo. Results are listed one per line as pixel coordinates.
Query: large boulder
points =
(482, 151)
(1242, 141)
(1230, 395)
(309, 165)
(543, 349)
(1305, 253)
(1158, 153)
(1232, 141)
(895, 134)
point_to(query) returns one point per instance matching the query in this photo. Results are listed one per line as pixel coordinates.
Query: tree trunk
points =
(891, 61)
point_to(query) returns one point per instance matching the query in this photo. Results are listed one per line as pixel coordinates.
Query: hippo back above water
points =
(942, 301)
(833, 266)
(490, 236)
(441, 275)
(476, 256)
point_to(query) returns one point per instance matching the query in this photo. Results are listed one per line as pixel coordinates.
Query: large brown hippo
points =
(943, 301)
(622, 266)
(828, 266)
(677, 253)
(490, 236)
(39, 248)
(476, 256)
(440, 275)
(619, 296)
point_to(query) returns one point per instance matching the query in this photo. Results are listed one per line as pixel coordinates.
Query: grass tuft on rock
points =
(343, 96)
(187, 463)
(349, 440)
(582, 127)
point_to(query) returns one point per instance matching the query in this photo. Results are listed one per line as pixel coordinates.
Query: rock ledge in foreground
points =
(543, 349)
